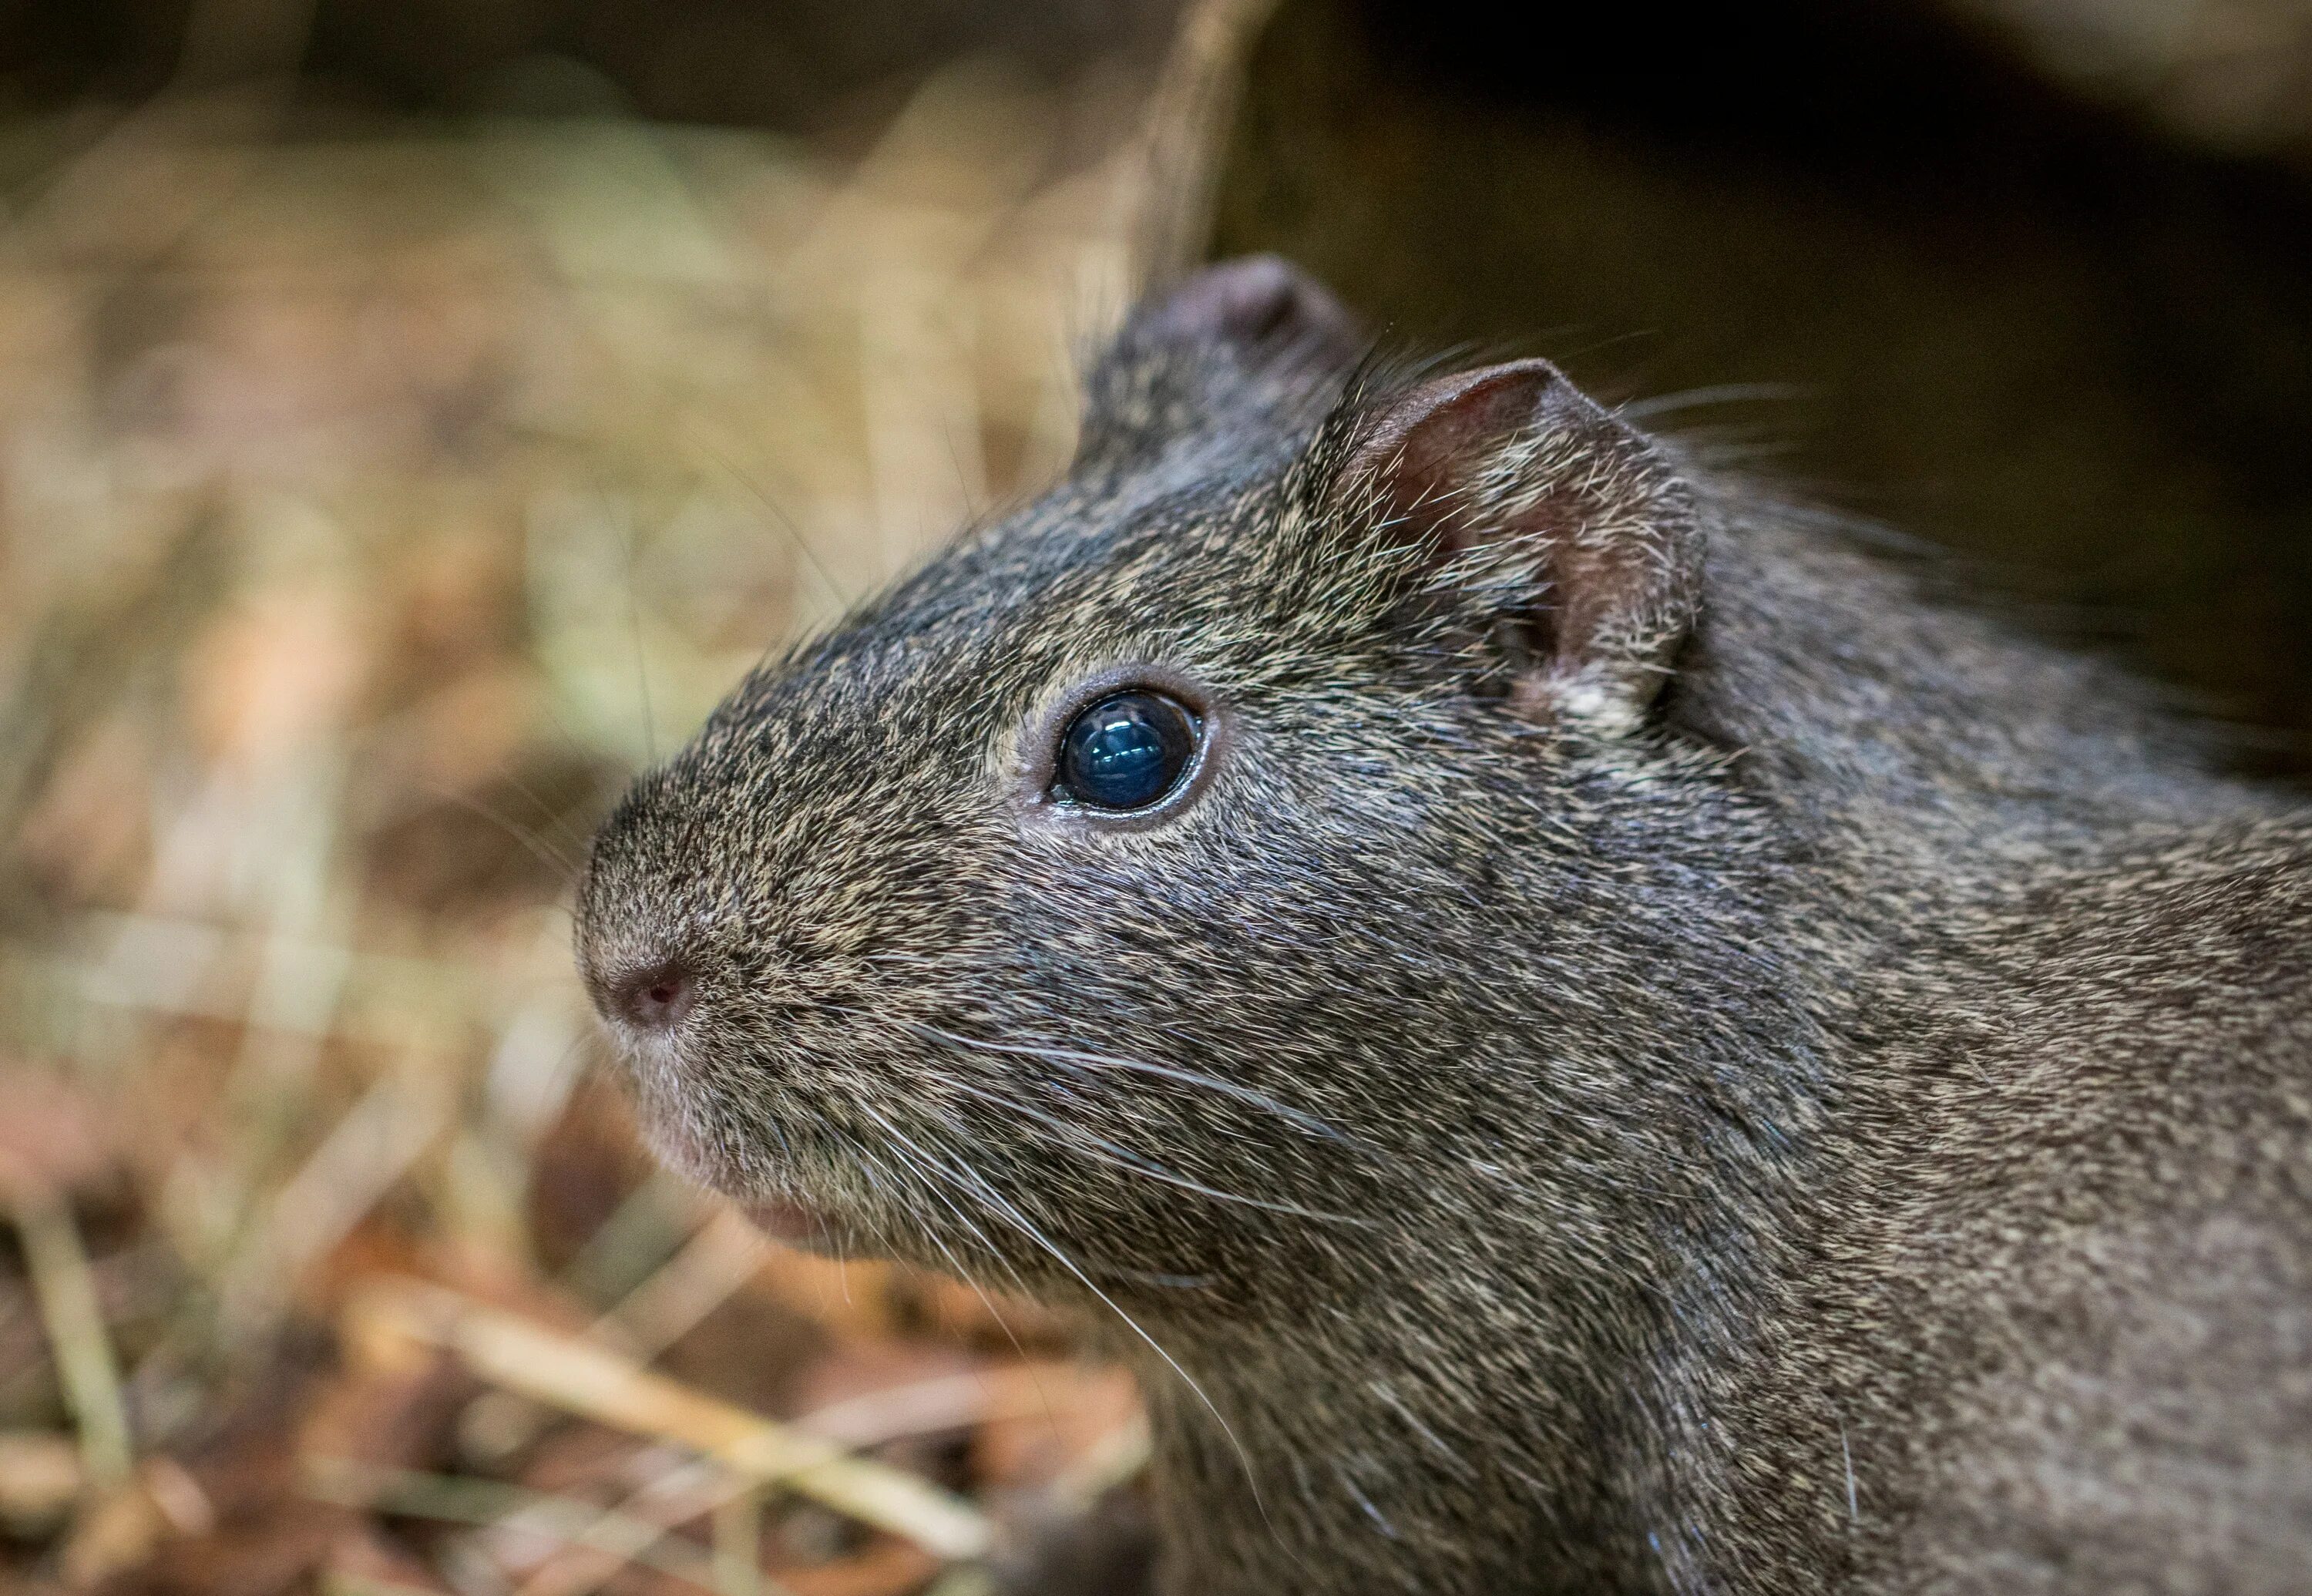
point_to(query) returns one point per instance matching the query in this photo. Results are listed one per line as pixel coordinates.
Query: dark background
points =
(2055, 336)
(2072, 347)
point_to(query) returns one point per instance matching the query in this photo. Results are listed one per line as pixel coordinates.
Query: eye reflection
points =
(1126, 751)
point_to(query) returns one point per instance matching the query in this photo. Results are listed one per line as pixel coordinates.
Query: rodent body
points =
(1641, 1052)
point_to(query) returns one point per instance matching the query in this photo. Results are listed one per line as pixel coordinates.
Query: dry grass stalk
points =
(377, 1141)
(368, 497)
(592, 1381)
(1188, 122)
(490, 1504)
(722, 1256)
(67, 1292)
(632, 1529)
(930, 1407)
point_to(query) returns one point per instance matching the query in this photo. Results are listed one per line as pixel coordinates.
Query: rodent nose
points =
(653, 996)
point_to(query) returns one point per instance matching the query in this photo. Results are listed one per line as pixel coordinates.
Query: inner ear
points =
(1515, 489)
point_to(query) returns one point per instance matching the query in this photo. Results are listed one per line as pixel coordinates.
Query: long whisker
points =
(786, 524)
(1723, 393)
(554, 816)
(539, 847)
(1019, 1282)
(1071, 1058)
(642, 660)
(1004, 1210)
(1078, 1139)
(919, 1179)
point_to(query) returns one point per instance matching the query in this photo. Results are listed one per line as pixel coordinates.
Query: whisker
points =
(1005, 1210)
(900, 1205)
(642, 662)
(923, 1182)
(555, 817)
(1723, 393)
(544, 851)
(786, 524)
(1076, 1059)
(1099, 1148)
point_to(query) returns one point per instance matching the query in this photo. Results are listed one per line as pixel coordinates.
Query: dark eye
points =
(1125, 752)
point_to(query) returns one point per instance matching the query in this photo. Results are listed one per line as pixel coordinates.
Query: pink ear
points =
(1510, 477)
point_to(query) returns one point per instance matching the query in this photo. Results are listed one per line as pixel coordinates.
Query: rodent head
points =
(929, 944)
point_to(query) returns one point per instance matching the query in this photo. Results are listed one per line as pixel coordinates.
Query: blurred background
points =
(414, 415)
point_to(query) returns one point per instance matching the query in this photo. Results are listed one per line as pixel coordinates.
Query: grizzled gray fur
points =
(1648, 1055)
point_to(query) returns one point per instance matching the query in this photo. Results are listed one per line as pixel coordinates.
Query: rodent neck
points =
(1469, 1419)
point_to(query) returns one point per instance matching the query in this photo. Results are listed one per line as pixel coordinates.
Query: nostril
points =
(656, 997)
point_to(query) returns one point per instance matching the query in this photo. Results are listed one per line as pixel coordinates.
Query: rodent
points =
(1581, 1029)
